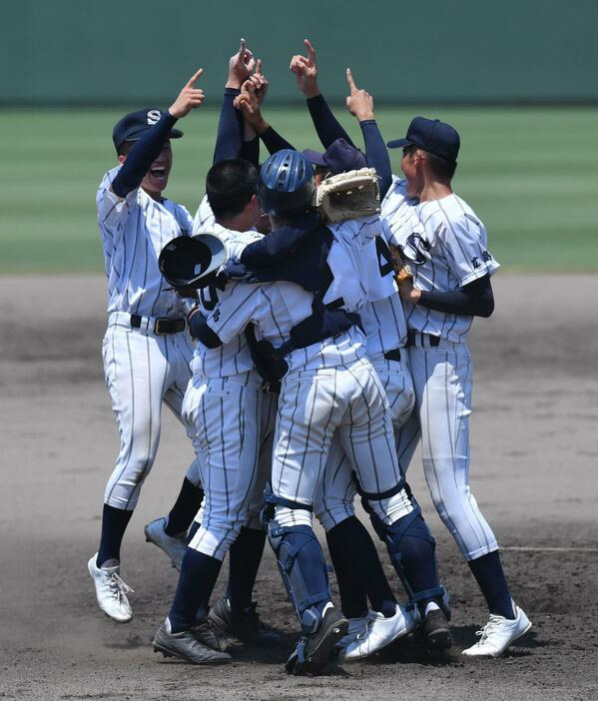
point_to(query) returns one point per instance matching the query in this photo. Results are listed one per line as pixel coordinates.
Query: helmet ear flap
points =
(286, 183)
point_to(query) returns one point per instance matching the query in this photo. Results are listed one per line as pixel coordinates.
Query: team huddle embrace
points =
(309, 328)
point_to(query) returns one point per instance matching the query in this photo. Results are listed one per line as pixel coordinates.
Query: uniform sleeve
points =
(463, 241)
(112, 210)
(204, 216)
(234, 310)
(359, 232)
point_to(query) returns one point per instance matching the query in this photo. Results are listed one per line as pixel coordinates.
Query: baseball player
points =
(146, 348)
(445, 244)
(328, 387)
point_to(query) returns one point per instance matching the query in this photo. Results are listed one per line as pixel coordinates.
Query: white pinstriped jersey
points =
(274, 308)
(232, 358)
(446, 245)
(134, 231)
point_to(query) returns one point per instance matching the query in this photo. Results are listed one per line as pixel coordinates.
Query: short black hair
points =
(440, 167)
(230, 185)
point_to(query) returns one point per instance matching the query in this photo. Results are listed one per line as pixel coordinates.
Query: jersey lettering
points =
(384, 257)
(415, 249)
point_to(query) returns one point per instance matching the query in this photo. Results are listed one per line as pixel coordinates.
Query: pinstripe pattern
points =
(142, 370)
(457, 253)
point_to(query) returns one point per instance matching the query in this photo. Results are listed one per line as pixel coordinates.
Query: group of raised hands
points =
(245, 73)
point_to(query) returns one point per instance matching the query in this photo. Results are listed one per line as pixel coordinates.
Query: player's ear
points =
(121, 158)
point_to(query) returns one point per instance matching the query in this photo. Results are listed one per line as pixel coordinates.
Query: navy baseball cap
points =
(433, 136)
(339, 157)
(132, 126)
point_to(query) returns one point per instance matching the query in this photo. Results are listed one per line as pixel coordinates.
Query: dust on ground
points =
(535, 451)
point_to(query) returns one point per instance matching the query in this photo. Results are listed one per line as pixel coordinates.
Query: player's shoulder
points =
(398, 188)
(107, 179)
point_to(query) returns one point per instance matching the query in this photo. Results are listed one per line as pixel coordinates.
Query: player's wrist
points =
(311, 91)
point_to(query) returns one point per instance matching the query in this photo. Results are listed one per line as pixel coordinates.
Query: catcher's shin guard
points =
(303, 568)
(411, 548)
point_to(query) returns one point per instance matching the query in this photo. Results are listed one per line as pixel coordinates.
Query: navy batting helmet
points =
(187, 260)
(286, 183)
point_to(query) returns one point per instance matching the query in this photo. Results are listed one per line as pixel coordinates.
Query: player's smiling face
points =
(156, 179)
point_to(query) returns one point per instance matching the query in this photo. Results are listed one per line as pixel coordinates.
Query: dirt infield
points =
(535, 451)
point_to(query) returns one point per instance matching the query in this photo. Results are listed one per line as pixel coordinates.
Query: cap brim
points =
(399, 143)
(315, 157)
(175, 134)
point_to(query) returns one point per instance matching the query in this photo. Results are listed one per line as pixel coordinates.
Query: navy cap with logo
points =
(133, 125)
(339, 157)
(433, 136)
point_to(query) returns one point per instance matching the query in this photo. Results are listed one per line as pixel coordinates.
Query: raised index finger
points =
(194, 78)
(242, 47)
(311, 52)
(350, 80)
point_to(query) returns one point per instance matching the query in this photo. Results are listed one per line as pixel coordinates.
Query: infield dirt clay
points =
(534, 472)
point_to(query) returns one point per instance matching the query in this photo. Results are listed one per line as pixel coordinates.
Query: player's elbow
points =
(199, 329)
(486, 308)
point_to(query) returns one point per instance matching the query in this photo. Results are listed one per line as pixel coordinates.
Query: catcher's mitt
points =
(349, 195)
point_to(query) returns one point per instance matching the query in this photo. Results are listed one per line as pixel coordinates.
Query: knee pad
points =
(287, 543)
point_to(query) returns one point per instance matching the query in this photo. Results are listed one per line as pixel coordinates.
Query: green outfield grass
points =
(530, 174)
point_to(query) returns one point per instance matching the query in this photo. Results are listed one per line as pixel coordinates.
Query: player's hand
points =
(359, 102)
(305, 69)
(248, 103)
(189, 98)
(408, 292)
(259, 82)
(240, 66)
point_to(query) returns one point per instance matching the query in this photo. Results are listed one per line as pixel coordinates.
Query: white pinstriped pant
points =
(142, 371)
(335, 498)
(224, 417)
(442, 378)
(314, 405)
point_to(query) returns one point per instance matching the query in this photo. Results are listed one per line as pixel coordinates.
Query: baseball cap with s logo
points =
(133, 125)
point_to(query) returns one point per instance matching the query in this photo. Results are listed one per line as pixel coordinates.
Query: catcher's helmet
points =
(286, 183)
(187, 260)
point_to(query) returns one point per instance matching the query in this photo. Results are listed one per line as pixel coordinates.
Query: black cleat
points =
(187, 645)
(244, 626)
(313, 651)
(435, 631)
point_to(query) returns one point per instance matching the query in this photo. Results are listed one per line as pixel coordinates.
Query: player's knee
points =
(334, 514)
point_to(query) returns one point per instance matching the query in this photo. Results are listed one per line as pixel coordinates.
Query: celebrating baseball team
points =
(309, 328)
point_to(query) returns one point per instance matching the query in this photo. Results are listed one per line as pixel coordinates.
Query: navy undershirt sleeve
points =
(474, 299)
(327, 125)
(376, 154)
(229, 140)
(274, 141)
(199, 329)
(142, 155)
(250, 151)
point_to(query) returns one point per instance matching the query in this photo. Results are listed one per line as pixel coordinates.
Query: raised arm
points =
(231, 128)
(305, 69)
(361, 105)
(249, 103)
(148, 147)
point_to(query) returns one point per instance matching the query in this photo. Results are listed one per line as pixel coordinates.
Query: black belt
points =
(162, 326)
(393, 355)
(413, 336)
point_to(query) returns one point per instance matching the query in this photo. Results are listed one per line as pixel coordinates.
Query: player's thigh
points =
(178, 352)
(366, 431)
(227, 421)
(336, 493)
(309, 408)
(136, 372)
(398, 386)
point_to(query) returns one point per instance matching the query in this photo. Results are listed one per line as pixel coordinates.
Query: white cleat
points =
(174, 546)
(498, 634)
(111, 591)
(377, 633)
